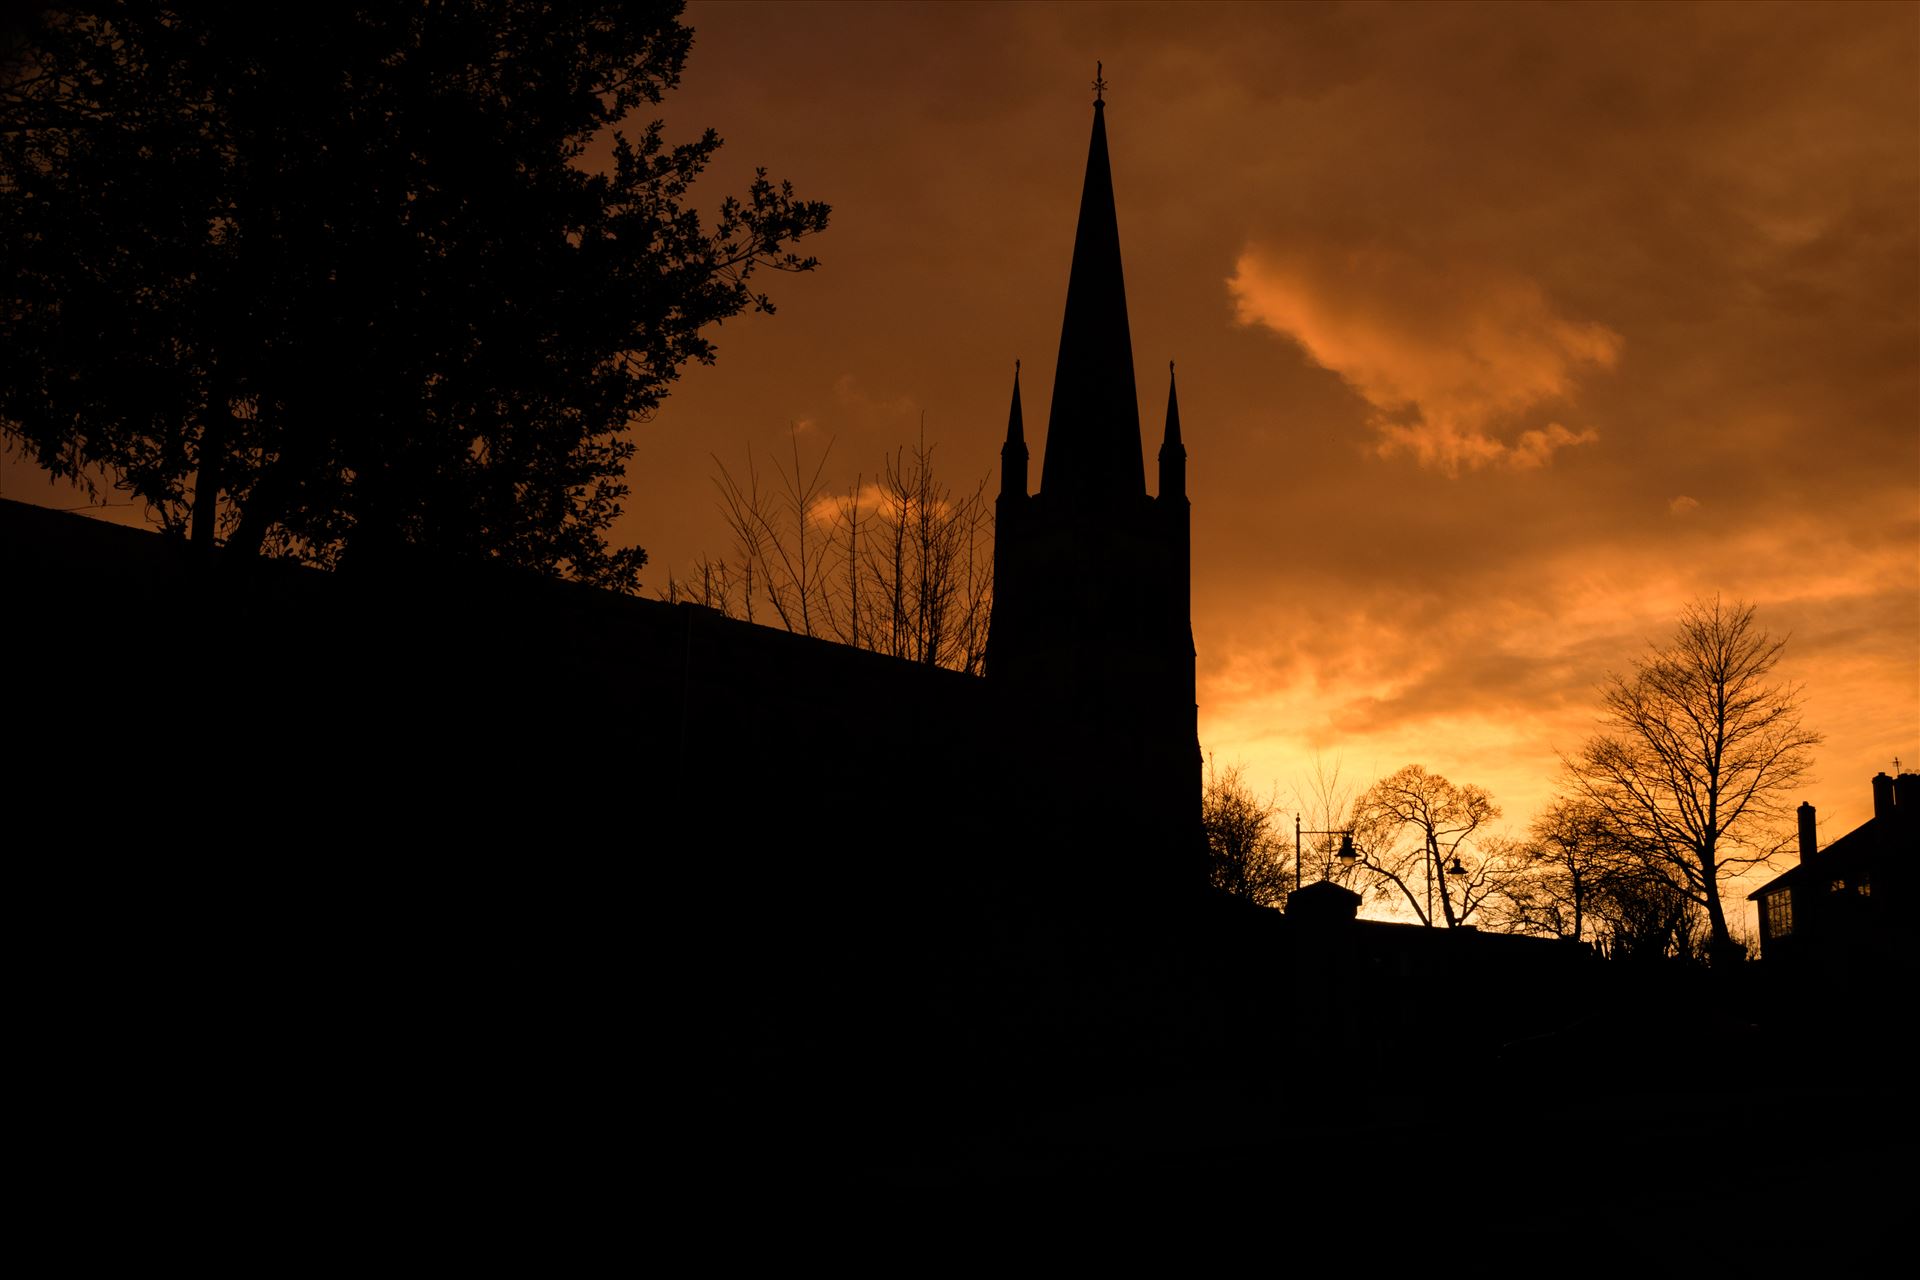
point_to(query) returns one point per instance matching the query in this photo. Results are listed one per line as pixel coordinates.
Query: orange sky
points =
(1502, 331)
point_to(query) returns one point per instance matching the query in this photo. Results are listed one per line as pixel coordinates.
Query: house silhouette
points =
(1847, 909)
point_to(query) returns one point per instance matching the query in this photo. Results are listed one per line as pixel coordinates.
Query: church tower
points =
(1091, 650)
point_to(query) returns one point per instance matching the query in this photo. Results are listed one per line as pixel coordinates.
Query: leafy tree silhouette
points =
(337, 283)
(1247, 853)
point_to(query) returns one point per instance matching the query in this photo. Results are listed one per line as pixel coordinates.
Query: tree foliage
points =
(332, 281)
(1699, 756)
(1246, 855)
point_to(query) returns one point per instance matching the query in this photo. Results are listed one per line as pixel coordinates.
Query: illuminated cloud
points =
(1682, 505)
(1450, 357)
(851, 394)
(857, 501)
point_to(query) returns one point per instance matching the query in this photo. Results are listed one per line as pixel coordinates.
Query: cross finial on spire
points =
(1099, 80)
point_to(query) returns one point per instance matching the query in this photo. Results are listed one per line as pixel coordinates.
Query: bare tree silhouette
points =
(1571, 850)
(904, 568)
(1323, 803)
(1699, 756)
(1423, 837)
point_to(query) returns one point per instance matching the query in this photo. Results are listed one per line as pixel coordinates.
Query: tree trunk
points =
(1720, 946)
(265, 506)
(215, 430)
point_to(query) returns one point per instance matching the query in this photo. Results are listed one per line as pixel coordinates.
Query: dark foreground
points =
(477, 906)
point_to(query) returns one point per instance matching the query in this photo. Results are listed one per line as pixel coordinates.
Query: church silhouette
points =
(1091, 638)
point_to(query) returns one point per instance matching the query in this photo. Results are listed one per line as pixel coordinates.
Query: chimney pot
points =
(1808, 832)
(1906, 795)
(1882, 795)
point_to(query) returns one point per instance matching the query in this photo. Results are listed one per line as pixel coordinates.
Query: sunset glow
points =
(1502, 333)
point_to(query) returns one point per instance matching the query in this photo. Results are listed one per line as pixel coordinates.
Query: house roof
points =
(1887, 835)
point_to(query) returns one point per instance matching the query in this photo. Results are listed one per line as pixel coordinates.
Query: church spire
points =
(1013, 454)
(1093, 428)
(1173, 454)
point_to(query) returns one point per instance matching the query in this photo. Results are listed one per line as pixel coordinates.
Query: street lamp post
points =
(1347, 856)
(1431, 865)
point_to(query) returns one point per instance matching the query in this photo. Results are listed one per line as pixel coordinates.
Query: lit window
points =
(1779, 913)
